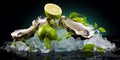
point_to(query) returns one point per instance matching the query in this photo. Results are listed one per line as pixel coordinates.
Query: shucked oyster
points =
(78, 28)
(29, 32)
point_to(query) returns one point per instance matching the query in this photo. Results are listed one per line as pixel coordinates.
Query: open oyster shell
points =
(29, 32)
(78, 28)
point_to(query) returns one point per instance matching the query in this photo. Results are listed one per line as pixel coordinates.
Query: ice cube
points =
(61, 32)
(79, 43)
(99, 41)
(64, 44)
(37, 43)
(21, 46)
(59, 45)
(71, 44)
(44, 49)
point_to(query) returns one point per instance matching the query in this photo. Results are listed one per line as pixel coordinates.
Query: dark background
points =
(18, 14)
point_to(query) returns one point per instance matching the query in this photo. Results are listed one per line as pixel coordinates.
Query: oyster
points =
(29, 32)
(78, 28)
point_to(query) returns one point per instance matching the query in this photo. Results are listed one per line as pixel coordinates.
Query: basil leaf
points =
(81, 20)
(102, 29)
(95, 25)
(68, 34)
(88, 47)
(73, 15)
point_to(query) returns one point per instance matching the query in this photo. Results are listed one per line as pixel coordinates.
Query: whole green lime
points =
(47, 31)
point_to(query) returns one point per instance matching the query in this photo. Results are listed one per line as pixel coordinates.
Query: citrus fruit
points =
(52, 11)
(47, 31)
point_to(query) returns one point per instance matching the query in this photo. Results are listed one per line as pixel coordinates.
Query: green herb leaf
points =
(81, 20)
(68, 34)
(95, 25)
(88, 47)
(78, 19)
(73, 15)
(102, 29)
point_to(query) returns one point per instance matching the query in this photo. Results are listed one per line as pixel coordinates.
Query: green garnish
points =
(95, 25)
(102, 29)
(73, 15)
(81, 20)
(76, 17)
(88, 47)
(68, 34)
(88, 50)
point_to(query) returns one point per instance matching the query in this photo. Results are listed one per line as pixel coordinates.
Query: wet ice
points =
(99, 41)
(64, 44)
(20, 46)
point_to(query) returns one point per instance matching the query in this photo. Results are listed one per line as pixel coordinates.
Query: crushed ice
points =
(69, 44)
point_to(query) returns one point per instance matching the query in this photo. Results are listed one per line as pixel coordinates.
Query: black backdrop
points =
(17, 14)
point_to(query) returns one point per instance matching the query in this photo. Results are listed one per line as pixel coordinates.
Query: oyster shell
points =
(78, 28)
(29, 32)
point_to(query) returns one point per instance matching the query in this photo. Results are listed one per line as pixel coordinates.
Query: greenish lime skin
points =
(50, 16)
(47, 31)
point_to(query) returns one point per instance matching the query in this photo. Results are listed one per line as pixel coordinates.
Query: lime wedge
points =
(52, 11)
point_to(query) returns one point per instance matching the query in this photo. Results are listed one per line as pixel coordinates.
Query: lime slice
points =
(52, 11)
